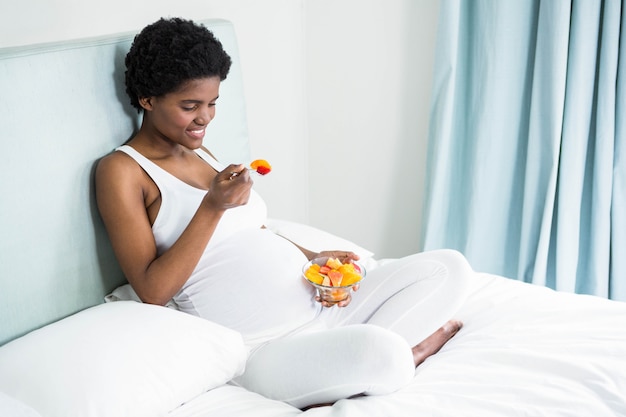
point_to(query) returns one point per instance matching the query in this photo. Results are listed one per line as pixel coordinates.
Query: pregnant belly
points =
(251, 282)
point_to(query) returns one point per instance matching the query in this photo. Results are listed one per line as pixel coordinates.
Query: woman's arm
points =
(120, 193)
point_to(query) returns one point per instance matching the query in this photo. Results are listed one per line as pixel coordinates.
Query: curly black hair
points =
(169, 52)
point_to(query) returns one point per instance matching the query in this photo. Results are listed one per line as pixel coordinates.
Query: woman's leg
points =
(412, 296)
(325, 366)
(433, 343)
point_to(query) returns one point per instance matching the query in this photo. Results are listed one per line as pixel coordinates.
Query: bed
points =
(524, 350)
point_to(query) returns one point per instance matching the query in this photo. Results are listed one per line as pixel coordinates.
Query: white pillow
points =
(315, 239)
(119, 359)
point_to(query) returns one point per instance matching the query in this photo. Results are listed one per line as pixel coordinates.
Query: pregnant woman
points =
(187, 228)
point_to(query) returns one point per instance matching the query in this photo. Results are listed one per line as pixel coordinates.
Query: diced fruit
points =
(338, 295)
(335, 277)
(325, 269)
(333, 263)
(350, 278)
(261, 166)
(346, 268)
(334, 274)
(314, 276)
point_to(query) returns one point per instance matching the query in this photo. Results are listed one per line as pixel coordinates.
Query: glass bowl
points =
(329, 293)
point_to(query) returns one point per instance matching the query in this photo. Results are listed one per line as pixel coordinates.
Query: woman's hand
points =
(344, 257)
(342, 303)
(230, 188)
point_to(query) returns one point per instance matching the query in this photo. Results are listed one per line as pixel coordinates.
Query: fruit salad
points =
(334, 273)
(261, 166)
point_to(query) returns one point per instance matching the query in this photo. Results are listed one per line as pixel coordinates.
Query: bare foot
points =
(435, 341)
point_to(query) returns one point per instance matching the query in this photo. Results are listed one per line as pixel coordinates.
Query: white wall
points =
(270, 35)
(315, 98)
(369, 72)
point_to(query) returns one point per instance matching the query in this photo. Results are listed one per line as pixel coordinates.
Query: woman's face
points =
(182, 116)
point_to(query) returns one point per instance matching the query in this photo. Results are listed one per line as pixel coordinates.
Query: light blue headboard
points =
(63, 106)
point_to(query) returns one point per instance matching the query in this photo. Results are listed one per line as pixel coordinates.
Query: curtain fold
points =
(526, 143)
(617, 285)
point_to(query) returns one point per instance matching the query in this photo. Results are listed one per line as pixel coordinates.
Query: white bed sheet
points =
(524, 351)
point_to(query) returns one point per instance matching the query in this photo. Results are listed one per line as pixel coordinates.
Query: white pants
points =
(366, 346)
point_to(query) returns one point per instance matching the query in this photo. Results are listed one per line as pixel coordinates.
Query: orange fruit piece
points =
(261, 166)
(335, 277)
(333, 263)
(312, 275)
(338, 295)
(350, 278)
(346, 268)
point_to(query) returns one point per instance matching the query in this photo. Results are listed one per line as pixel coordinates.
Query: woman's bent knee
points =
(329, 365)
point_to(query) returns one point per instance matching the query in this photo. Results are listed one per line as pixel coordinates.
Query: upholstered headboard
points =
(63, 106)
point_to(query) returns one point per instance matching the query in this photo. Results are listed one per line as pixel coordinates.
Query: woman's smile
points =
(197, 133)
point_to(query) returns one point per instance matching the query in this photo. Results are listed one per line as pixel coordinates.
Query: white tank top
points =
(180, 201)
(248, 278)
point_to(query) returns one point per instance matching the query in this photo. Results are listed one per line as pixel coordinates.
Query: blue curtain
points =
(527, 141)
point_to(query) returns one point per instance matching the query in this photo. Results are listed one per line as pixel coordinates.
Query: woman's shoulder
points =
(118, 168)
(115, 161)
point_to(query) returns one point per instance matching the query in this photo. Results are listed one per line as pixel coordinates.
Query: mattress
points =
(524, 350)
